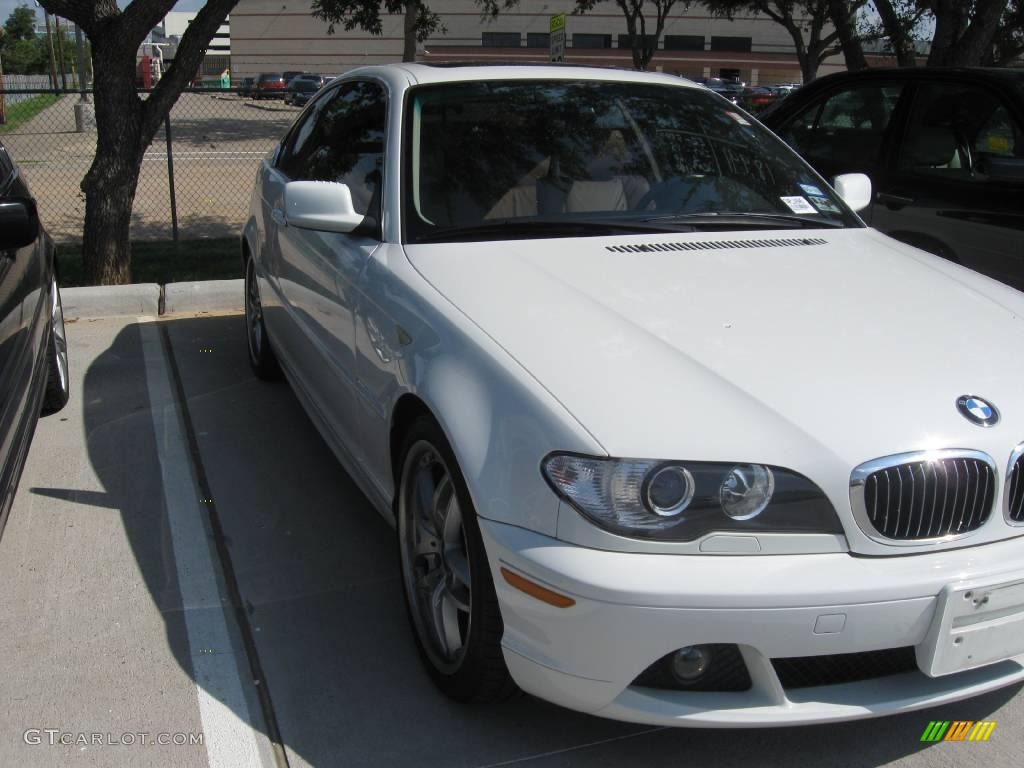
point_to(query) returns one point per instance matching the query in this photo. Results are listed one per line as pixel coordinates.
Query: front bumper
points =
(632, 609)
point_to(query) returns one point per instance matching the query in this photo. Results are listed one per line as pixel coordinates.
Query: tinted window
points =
(500, 39)
(538, 40)
(342, 140)
(955, 129)
(846, 129)
(730, 43)
(591, 41)
(588, 150)
(6, 170)
(684, 42)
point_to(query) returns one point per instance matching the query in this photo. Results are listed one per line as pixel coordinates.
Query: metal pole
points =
(60, 53)
(81, 65)
(3, 98)
(49, 45)
(170, 178)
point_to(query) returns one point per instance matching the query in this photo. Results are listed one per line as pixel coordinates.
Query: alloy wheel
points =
(435, 561)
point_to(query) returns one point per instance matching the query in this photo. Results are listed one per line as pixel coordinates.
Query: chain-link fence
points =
(214, 145)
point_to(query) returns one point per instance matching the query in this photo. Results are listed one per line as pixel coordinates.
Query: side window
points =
(999, 136)
(297, 142)
(342, 140)
(6, 170)
(846, 127)
(956, 130)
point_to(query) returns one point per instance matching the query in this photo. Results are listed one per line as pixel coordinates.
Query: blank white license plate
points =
(974, 625)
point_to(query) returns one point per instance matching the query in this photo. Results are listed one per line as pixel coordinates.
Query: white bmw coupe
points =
(667, 434)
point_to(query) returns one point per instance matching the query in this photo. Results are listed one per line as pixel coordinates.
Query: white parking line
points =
(223, 709)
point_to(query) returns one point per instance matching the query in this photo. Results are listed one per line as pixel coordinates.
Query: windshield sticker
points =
(810, 189)
(823, 204)
(738, 118)
(798, 205)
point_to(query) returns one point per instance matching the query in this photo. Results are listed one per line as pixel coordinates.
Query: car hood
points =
(812, 350)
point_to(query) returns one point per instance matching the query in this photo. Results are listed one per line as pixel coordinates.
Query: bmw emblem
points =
(976, 410)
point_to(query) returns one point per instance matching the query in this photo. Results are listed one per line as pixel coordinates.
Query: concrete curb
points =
(111, 300)
(204, 296)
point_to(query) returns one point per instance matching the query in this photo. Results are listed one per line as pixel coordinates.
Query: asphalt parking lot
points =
(185, 556)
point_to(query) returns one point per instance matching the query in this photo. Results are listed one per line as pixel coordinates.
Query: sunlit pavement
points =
(176, 566)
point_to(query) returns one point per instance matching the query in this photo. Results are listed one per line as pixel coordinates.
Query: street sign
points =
(557, 37)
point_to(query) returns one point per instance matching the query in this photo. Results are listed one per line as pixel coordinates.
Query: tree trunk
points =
(106, 250)
(976, 41)
(951, 20)
(896, 31)
(110, 183)
(412, 10)
(842, 18)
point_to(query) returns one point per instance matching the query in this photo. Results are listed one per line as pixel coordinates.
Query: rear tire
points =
(449, 594)
(58, 378)
(261, 354)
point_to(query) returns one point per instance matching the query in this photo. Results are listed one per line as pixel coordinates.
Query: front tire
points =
(261, 354)
(449, 594)
(58, 378)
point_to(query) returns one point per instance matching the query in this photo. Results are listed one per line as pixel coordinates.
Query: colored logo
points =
(958, 730)
(979, 411)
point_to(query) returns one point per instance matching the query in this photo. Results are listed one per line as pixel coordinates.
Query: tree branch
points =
(85, 13)
(189, 56)
(139, 18)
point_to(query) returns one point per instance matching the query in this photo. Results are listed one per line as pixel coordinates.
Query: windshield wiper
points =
(746, 218)
(549, 227)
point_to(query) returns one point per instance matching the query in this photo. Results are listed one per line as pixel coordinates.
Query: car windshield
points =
(306, 86)
(533, 152)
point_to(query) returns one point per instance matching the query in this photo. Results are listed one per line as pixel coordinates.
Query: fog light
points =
(690, 662)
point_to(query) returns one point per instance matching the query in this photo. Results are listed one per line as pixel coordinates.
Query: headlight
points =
(683, 500)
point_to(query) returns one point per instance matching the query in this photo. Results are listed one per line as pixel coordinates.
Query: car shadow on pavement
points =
(317, 571)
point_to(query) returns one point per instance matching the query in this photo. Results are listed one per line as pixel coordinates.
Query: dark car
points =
(270, 85)
(247, 87)
(723, 88)
(33, 346)
(292, 74)
(302, 88)
(944, 149)
(756, 98)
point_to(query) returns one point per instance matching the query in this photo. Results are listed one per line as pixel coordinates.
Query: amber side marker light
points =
(535, 590)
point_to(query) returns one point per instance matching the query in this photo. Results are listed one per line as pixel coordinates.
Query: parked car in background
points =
(723, 88)
(270, 85)
(291, 74)
(247, 87)
(944, 149)
(667, 433)
(756, 98)
(301, 87)
(33, 345)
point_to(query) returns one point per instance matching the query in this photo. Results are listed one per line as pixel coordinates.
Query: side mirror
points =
(19, 224)
(854, 189)
(325, 206)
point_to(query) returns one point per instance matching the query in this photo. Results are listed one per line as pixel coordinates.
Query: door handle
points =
(895, 202)
(278, 216)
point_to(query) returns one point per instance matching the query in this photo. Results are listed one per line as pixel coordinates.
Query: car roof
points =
(418, 73)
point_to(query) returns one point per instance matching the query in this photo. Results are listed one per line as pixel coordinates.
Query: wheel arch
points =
(406, 410)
